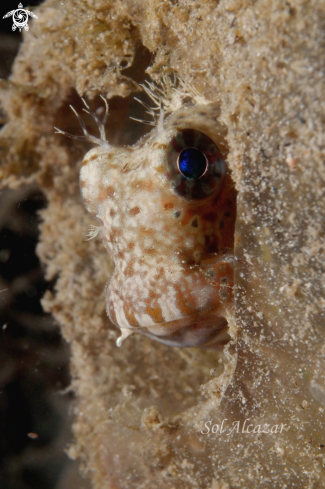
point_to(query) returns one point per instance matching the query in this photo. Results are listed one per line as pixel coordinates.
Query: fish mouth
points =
(207, 329)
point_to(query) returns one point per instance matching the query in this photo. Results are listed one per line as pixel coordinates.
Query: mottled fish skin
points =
(173, 257)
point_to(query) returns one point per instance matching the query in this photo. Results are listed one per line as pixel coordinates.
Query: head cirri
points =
(166, 208)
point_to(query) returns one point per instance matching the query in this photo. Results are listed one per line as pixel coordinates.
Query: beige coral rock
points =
(142, 408)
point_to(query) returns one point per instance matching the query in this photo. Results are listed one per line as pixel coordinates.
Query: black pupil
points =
(192, 163)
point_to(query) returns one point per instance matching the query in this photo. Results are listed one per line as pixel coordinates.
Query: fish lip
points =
(198, 329)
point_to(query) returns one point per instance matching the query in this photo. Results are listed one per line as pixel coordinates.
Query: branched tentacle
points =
(148, 123)
(168, 95)
(102, 141)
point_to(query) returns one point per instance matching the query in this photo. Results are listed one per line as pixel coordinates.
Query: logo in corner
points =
(20, 18)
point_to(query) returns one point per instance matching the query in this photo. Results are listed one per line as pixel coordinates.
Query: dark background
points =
(34, 407)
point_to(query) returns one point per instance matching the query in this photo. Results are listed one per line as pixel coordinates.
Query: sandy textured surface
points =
(141, 408)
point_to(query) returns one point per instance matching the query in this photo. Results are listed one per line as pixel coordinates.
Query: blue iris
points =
(192, 163)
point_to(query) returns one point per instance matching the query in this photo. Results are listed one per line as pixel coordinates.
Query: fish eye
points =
(192, 163)
(195, 166)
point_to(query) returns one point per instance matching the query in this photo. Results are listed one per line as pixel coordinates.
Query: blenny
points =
(167, 209)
